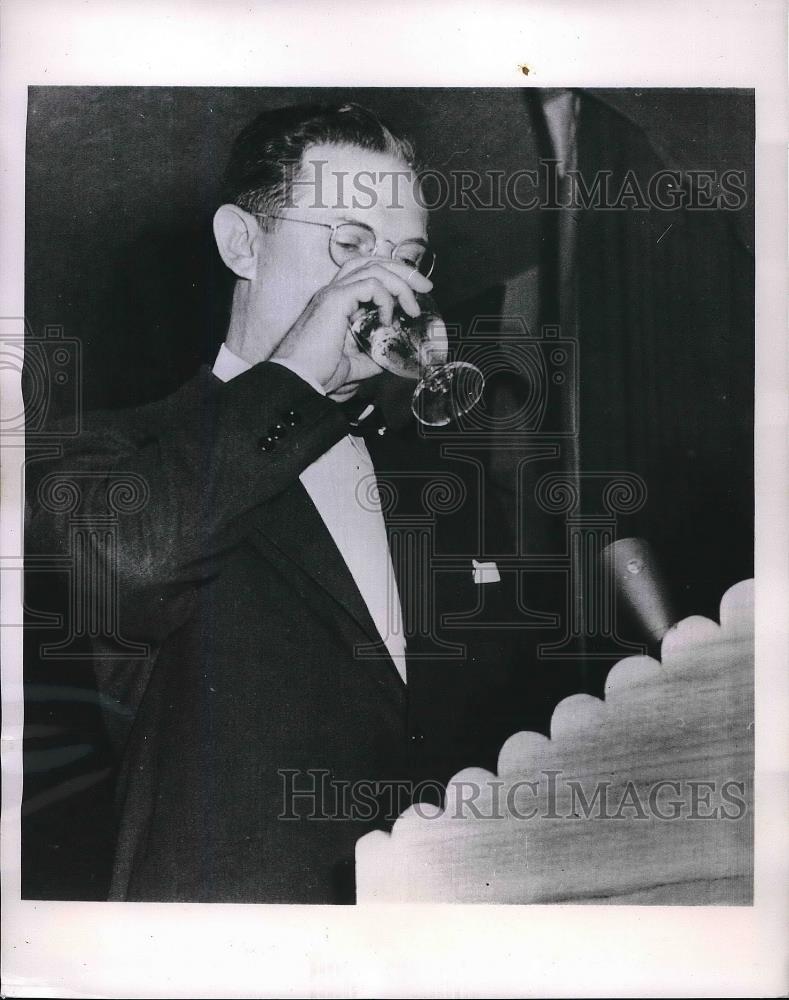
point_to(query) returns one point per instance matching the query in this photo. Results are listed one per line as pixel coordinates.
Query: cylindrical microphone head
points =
(640, 586)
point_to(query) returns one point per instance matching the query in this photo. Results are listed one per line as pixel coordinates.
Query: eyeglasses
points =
(349, 240)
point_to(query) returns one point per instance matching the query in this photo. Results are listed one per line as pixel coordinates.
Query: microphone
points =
(640, 586)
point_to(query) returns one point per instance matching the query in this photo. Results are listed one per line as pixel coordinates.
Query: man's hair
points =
(266, 157)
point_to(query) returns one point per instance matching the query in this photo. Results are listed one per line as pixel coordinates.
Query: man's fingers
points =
(393, 283)
(317, 340)
(371, 290)
(375, 265)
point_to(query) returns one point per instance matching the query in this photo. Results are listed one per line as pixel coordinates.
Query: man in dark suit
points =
(286, 704)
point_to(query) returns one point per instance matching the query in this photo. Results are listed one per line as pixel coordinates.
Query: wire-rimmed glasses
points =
(351, 240)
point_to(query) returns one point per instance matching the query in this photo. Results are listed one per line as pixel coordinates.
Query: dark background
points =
(121, 188)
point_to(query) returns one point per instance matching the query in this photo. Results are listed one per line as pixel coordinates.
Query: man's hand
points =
(320, 343)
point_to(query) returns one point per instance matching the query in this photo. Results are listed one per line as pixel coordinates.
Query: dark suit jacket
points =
(265, 674)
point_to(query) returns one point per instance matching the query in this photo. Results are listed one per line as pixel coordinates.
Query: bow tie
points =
(364, 418)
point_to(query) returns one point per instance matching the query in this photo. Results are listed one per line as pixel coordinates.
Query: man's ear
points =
(237, 238)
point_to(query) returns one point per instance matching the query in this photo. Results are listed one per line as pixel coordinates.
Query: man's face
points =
(336, 184)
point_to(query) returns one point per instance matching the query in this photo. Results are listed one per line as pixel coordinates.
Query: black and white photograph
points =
(387, 500)
(343, 503)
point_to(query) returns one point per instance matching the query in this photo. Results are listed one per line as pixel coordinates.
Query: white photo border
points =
(147, 950)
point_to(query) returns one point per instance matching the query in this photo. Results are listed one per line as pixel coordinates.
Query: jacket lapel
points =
(291, 523)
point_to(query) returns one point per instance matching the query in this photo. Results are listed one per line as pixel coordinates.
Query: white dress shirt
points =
(339, 485)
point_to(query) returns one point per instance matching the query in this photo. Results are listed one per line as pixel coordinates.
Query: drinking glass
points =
(415, 348)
